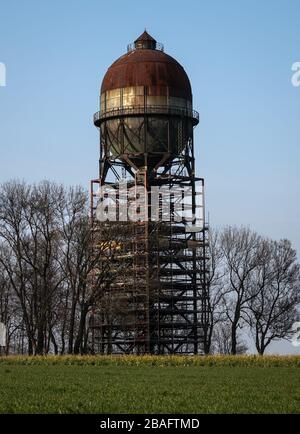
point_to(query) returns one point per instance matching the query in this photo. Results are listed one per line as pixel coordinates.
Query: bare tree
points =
(12, 231)
(10, 313)
(214, 290)
(50, 263)
(28, 232)
(81, 261)
(241, 254)
(276, 284)
(74, 235)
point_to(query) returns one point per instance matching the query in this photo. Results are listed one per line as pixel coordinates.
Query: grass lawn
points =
(111, 387)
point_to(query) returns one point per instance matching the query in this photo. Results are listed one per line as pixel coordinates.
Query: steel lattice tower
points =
(156, 300)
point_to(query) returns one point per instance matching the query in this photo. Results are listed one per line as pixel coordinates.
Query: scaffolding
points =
(156, 301)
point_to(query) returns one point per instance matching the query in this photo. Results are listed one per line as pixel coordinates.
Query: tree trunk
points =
(208, 330)
(78, 346)
(55, 346)
(233, 338)
(30, 346)
(72, 325)
(40, 341)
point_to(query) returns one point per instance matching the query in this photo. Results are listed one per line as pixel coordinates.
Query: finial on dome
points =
(145, 41)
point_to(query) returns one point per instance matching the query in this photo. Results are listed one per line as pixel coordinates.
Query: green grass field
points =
(150, 385)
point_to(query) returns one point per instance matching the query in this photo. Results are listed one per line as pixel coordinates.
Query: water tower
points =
(156, 300)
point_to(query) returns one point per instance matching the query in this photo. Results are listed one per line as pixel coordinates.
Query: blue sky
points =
(238, 55)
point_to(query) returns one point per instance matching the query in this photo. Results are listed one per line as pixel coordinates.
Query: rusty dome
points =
(146, 64)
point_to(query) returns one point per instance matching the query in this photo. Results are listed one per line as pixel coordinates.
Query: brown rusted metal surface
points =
(145, 37)
(151, 68)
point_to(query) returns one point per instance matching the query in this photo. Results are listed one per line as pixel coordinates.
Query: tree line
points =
(48, 283)
(46, 261)
(253, 291)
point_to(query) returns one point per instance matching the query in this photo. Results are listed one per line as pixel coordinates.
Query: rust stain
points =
(150, 68)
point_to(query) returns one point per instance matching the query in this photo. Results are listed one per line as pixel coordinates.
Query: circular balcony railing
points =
(132, 47)
(146, 110)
